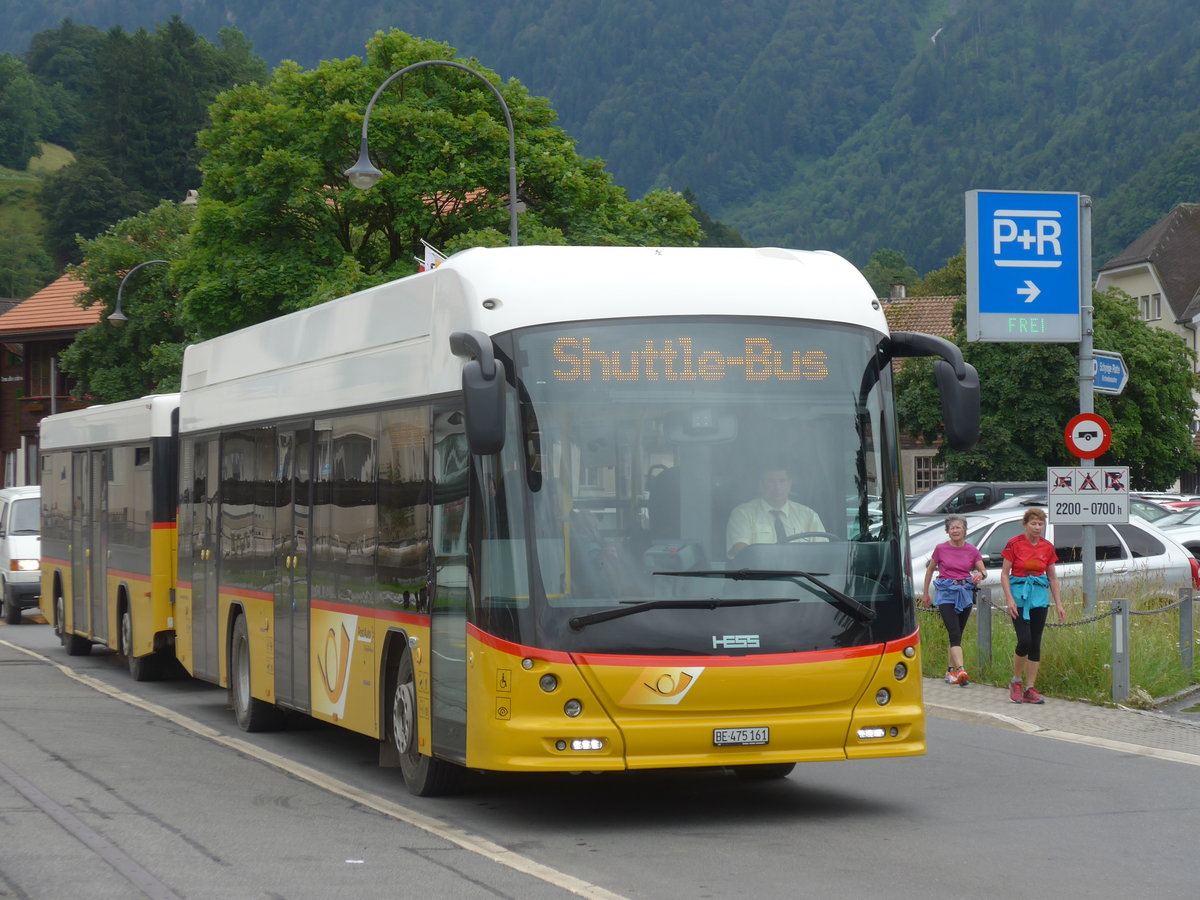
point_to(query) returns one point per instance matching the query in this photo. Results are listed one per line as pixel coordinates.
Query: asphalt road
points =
(110, 788)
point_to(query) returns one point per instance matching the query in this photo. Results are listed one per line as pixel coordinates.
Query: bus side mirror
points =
(483, 391)
(960, 404)
(957, 381)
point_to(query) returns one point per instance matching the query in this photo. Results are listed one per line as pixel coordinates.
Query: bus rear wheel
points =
(142, 668)
(252, 714)
(424, 776)
(75, 644)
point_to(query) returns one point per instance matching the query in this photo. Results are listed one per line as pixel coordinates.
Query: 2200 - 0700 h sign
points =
(740, 737)
(1069, 508)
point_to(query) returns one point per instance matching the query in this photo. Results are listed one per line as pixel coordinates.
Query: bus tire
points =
(12, 609)
(76, 645)
(764, 771)
(424, 776)
(142, 668)
(252, 714)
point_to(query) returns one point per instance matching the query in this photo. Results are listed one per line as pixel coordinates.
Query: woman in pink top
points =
(960, 568)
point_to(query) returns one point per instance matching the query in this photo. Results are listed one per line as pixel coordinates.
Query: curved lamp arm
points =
(363, 174)
(118, 318)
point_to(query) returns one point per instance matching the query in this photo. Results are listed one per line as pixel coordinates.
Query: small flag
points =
(433, 257)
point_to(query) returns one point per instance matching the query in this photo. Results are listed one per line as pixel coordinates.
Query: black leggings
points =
(956, 622)
(1029, 633)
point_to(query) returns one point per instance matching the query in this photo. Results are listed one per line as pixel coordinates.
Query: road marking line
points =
(436, 827)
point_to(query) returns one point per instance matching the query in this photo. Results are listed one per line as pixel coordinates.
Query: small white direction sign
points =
(1082, 496)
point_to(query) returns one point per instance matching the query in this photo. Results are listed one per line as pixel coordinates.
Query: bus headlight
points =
(573, 708)
(548, 682)
(900, 672)
(883, 696)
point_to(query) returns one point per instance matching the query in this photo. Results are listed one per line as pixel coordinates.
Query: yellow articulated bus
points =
(515, 514)
(108, 477)
(507, 514)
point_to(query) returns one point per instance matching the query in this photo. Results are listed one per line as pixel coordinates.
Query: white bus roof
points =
(392, 341)
(112, 423)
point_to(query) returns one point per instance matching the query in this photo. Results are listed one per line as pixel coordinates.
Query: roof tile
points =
(51, 309)
(929, 315)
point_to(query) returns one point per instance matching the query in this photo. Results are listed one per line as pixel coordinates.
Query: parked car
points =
(967, 496)
(20, 550)
(1135, 557)
(1185, 530)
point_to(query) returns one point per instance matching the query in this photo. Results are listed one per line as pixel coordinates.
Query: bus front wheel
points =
(423, 775)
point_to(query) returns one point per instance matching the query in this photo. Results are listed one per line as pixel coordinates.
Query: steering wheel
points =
(799, 536)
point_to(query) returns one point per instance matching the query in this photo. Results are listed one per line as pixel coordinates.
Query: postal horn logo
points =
(661, 686)
(334, 663)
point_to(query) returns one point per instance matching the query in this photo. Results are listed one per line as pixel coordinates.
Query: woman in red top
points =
(1029, 581)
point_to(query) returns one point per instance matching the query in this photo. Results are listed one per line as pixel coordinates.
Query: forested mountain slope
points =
(852, 126)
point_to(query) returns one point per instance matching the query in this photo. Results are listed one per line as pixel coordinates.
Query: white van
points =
(20, 550)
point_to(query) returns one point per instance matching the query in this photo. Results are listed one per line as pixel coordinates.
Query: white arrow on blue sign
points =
(1109, 372)
(1024, 252)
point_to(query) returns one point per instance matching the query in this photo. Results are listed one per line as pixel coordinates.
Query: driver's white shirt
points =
(754, 523)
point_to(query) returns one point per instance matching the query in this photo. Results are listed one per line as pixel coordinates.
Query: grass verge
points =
(1077, 656)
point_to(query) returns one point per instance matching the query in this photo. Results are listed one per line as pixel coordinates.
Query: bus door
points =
(81, 536)
(97, 545)
(293, 531)
(448, 611)
(205, 606)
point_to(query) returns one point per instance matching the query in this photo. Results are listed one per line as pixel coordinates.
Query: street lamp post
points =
(363, 174)
(118, 318)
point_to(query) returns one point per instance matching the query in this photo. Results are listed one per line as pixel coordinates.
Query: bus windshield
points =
(701, 487)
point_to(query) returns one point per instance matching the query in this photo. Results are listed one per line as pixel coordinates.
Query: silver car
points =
(1131, 559)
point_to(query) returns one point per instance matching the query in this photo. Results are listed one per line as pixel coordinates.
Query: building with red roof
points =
(34, 332)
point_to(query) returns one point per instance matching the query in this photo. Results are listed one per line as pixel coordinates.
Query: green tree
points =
(1028, 393)
(151, 97)
(886, 268)
(109, 363)
(279, 228)
(20, 105)
(948, 281)
(716, 234)
(24, 265)
(83, 199)
(62, 60)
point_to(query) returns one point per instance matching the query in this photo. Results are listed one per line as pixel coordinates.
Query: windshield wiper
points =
(847, 604)
(578, 622)
(827, 592)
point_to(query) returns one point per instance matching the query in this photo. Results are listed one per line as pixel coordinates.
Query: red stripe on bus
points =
(246, 594)
(170, 525)
(607, 659)
(387, 615)
(128, 576)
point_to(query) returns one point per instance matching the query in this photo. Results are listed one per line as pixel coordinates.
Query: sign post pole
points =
(1086, 383)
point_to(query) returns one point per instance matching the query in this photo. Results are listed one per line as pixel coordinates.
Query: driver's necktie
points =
(780, 531)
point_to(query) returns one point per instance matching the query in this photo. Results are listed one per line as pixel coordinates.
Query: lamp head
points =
(117, 319)
(363, 173)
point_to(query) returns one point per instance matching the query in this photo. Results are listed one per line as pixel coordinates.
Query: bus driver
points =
(771, 517)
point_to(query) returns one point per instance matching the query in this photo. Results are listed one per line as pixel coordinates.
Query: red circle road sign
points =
(1087, 435)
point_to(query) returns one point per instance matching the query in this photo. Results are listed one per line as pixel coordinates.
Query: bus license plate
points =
(740, 737)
